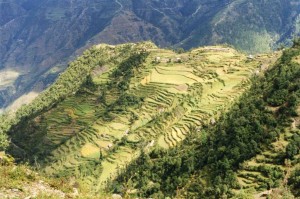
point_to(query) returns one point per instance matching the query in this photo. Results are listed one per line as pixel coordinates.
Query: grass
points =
(103, 144)
(111, 168)
(90, 151)
(297, 59)
(171, 79)
(163, 143)
(253, 176)
(26, 182)
(118, 126)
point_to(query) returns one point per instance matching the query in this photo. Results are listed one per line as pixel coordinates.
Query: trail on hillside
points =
(196, 12)
(121, 6)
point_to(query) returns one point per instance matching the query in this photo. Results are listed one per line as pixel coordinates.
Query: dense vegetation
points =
(205, 164)
(26, 132)
(294, 182)
(68, 83)
(120, 80)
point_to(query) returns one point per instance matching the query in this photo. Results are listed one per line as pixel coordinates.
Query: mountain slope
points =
(252, 151)
(135, 98)
(38, 35)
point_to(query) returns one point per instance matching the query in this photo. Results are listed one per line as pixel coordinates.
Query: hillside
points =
(116, 102)
(38, 38)
(252, 151)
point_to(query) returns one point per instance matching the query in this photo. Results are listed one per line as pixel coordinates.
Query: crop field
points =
(268, 169)
(94, 132)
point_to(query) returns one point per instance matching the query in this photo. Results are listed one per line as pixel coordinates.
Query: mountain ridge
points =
(140, 97)
(148, 122)
(32, 40)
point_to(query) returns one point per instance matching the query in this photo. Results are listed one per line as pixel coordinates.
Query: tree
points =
(291, 150)
(4, 143)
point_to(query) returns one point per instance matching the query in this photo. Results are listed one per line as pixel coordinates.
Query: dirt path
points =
(121, 7)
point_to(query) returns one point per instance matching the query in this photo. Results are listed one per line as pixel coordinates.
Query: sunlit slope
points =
(269, 170)
(142, 98)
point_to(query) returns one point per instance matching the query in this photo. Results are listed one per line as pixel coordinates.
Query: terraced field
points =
(93, 135)
(269, 169)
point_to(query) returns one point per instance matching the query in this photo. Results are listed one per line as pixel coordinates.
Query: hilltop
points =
(114, 104)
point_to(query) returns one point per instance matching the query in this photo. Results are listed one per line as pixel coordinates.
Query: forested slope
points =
(252, 148)
(69, 82)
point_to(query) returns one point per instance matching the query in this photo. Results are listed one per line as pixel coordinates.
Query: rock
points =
(116, 196)
(178, 60)
(75, 192)
(212, 121)
(151, 144)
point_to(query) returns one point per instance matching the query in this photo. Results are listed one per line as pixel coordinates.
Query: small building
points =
(110, 145)
(157, 59)
(178, 60)
(151, 144)
(126, 132)
(250, 57)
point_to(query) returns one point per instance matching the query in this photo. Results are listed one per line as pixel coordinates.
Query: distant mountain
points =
(37, 35)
